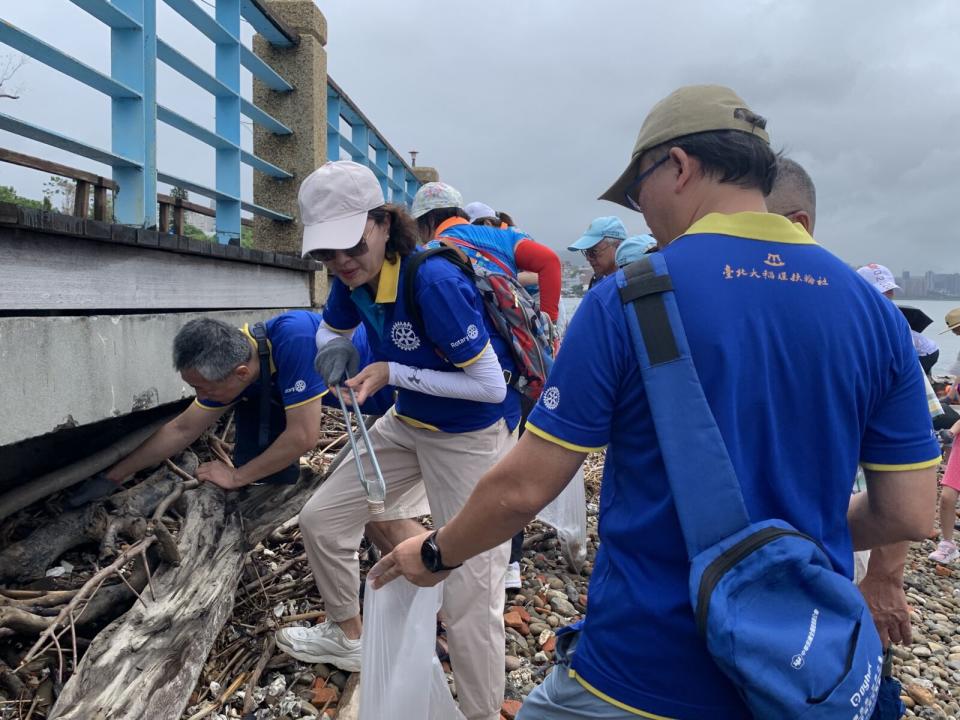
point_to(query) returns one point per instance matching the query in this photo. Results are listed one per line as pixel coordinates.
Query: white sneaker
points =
(512, 579)
(324, 643)
(946, 552)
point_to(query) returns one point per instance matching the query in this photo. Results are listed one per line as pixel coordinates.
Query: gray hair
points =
(211, 347)
(792, 190)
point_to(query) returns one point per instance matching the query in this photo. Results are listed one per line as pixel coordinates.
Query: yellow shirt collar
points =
(389, 279)
(768, 227)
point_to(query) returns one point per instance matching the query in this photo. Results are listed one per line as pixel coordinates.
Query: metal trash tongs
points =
(376, 491)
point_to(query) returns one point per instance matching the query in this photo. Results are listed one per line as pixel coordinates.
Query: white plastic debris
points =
(568, 515)
(278, 609)
(56, 571)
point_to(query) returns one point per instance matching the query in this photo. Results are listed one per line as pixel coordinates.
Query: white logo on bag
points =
(866, 695)
(472, 332)
(403, 336)
(796, 662)
(551, 398)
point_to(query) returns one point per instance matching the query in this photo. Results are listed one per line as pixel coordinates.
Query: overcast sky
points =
(533, 106)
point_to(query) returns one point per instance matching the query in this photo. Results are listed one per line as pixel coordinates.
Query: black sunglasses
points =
(326, 256)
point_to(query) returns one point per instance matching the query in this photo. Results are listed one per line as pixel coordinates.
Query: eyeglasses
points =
(357, 250)
(633, 190)
(592, 252)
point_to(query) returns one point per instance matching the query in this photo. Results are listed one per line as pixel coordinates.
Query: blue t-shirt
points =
(807, 370)
(457, 331)
(486, 242)
(291, 338)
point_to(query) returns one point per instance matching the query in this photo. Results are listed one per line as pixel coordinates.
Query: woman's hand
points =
(373, 378)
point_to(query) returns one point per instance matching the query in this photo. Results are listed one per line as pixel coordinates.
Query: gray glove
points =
(337, 360)
(94, 488)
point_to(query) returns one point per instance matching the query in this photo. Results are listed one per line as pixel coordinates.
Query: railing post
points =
(81, 198)
(164, 225)
(227, 62)
(304, 111)
(100, 203)
(133, 61)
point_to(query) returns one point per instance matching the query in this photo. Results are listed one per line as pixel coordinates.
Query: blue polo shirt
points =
(291, 338)
(807, 370)
(456, 332)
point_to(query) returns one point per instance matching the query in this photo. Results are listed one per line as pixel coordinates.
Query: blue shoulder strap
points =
(704, 485)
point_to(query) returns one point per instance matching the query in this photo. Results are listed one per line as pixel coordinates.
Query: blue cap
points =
(633, 248)
(608, 226)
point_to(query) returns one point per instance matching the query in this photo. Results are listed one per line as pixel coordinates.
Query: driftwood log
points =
(29, 558)
(146, 663)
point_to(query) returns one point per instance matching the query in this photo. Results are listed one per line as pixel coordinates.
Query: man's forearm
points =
(507, 497)
(165, 443)
(289, 446)
(888, 561)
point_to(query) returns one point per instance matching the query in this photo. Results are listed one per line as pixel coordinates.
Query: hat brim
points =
(338, 234)
(950, 328)
(585, 243)
(617, 193)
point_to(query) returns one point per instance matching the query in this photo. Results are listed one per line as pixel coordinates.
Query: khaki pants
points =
(450, 464)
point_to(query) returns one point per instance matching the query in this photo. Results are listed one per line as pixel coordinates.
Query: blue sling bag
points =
(793, 635)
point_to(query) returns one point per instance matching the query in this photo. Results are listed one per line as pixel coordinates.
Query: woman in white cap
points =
(447, 426)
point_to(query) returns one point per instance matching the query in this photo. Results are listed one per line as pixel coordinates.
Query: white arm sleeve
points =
(481, 381)
(325, 335)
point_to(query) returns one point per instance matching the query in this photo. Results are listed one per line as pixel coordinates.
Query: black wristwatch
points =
(430, 554)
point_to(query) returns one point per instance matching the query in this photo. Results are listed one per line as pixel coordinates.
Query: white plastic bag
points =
(402, 677)
(568, 515)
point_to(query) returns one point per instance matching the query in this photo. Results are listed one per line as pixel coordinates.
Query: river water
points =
(936, 309)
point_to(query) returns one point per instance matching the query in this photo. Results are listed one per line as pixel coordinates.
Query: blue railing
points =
(396, 176)
(132, 88)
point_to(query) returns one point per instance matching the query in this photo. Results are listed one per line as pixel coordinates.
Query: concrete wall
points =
(60, 372)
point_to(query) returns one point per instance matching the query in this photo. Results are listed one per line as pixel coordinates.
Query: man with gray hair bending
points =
(266, 373)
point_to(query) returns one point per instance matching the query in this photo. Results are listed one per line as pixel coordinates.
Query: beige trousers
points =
(449, 464)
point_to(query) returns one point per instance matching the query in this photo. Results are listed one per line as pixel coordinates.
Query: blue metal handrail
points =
(396, 177)
(132, 88)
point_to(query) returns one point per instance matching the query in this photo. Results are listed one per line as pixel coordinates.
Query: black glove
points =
(945, 437)
(94, 488)
(337, 360)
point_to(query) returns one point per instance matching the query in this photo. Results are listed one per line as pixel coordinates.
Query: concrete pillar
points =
(427, 174)
(304, 111)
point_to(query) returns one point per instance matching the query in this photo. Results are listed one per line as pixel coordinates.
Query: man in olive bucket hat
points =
(752, 290)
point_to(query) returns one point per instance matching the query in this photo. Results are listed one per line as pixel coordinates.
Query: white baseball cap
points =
(334, 201)
(435, 195)
(879, 276)
(478, 210)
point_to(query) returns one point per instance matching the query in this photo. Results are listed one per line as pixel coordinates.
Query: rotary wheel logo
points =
(551, 398)
(472, 332)
(403, 336)
(299, 386)
(796, 662)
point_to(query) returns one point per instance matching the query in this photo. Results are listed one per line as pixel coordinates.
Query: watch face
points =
(428, 553)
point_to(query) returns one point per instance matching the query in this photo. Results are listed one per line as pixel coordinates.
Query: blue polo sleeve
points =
(898, 433)
(340, 313)
(576, 407)
(293, 351)
(452, 315)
